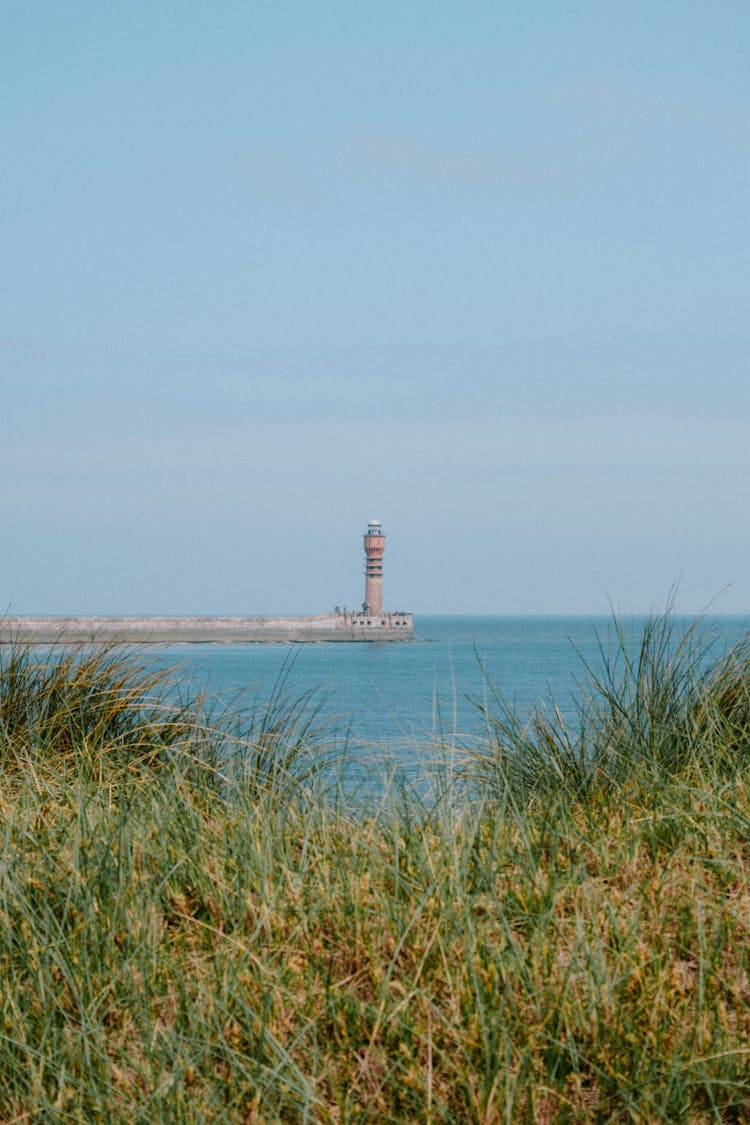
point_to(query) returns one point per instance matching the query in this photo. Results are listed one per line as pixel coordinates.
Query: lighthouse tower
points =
(374, 548)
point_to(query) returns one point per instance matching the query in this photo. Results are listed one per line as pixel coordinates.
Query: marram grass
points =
(192, 930)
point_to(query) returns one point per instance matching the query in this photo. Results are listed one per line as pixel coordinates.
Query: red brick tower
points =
(374, 548)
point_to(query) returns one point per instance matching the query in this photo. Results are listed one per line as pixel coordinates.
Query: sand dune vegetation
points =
(198, 922)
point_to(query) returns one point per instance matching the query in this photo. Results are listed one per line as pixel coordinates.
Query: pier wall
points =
(387, 626)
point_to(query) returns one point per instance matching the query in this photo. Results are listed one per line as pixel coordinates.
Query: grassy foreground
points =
(190, 930)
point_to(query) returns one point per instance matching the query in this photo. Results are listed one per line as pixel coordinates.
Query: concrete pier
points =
(342, 626)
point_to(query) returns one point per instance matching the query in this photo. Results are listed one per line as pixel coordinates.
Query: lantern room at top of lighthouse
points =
(374, 540)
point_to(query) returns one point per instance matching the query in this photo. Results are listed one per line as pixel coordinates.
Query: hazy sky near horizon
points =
(479, 270)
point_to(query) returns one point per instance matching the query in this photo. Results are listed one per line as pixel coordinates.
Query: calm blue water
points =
(395, 697)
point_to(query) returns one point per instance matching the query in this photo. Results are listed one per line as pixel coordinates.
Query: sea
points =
(387, 706)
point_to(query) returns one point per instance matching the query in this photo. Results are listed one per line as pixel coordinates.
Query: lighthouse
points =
(374, 549)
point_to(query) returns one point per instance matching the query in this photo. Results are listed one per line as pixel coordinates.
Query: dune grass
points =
(193, 927)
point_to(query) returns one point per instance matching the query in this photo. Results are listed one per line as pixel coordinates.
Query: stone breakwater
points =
(390, 626)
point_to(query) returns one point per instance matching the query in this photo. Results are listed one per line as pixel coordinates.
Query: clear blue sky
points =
(481, 270)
